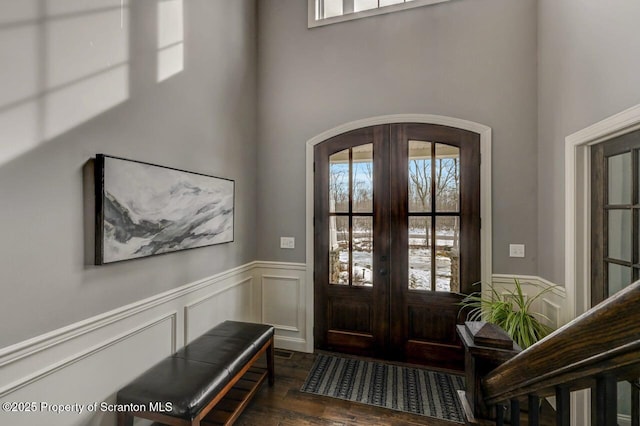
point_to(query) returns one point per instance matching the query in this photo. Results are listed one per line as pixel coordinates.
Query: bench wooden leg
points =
(124, 419)
(270, 366)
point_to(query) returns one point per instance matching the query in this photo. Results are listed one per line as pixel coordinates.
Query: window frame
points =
(312, 8)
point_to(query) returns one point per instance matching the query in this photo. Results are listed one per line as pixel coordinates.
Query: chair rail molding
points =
(485, 188)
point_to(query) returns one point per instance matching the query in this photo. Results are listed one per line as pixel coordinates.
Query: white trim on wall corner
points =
(485, 187)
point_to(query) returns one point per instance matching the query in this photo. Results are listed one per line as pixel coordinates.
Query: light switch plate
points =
(287, 242)
(516, 250)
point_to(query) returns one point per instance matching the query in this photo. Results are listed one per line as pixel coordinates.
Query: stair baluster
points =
(534, 410)
(515, 412)
(635, 402)
(563, 406)
(606, 401)
(500, 409)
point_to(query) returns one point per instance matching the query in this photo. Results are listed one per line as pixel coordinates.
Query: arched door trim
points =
(485, 191)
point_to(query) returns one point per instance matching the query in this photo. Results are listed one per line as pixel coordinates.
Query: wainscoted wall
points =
(551, 304)
(87, 362)
(283, 291)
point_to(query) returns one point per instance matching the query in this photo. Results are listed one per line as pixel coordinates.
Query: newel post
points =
(486, 347)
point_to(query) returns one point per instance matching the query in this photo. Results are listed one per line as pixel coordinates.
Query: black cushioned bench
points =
(187, 387)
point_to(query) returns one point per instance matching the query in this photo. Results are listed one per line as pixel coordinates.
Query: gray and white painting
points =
(149, 210)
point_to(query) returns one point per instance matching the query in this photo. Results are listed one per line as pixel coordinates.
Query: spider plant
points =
(511, 311)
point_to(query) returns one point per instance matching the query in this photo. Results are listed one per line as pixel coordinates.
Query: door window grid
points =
(622, 220)
(351, 216)
(434, 180)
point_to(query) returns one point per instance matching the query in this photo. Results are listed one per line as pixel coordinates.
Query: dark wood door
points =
(615, 215)
(435, 199)
(397, 240)
(351, 254)
(615, 225)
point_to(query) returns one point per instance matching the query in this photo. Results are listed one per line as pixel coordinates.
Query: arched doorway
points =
(396, 239)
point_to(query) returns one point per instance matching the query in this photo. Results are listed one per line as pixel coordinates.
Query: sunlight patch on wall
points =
(170, 38)
(63, 63)
(19, 78)
(87, 62)
(14, 11)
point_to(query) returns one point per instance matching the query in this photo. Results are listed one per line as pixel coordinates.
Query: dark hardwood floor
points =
(284, 404)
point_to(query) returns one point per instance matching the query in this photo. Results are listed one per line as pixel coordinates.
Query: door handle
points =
(383, 271)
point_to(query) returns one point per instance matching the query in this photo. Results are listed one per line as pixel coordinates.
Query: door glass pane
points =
(419, 176)
(338, 250)
(420, 253)
(624, 398)
(447, 254)
(362, 250)
(620, 234)
(363, 178)
(339, 182)
(447, 166)
(619, 278)
(619, 179)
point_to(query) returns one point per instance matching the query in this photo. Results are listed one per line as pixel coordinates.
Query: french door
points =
(615, 226)
(397, 240)
(615, 215)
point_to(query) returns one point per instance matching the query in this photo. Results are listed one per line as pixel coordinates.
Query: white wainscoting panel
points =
(87, 362)
(283, 293)
(278, 293)
(552, 304)
(233, 301)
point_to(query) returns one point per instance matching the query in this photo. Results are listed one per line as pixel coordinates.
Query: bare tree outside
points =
(354, 181)
(351, 180)
(440, 175)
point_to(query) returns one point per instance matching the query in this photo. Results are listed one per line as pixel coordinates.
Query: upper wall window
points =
(324, 12)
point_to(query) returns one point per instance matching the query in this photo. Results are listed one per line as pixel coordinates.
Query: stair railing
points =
(596, 350)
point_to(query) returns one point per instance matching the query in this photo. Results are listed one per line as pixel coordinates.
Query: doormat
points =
(409, 389)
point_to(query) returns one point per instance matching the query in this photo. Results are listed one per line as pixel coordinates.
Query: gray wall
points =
(474, 60)
(201, 119)
(589, 69)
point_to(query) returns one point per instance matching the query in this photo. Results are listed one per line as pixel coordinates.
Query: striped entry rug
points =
(412, 390)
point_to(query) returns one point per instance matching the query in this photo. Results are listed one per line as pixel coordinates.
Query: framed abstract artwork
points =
(144, 209)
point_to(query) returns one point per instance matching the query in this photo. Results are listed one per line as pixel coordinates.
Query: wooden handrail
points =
(605, 341)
